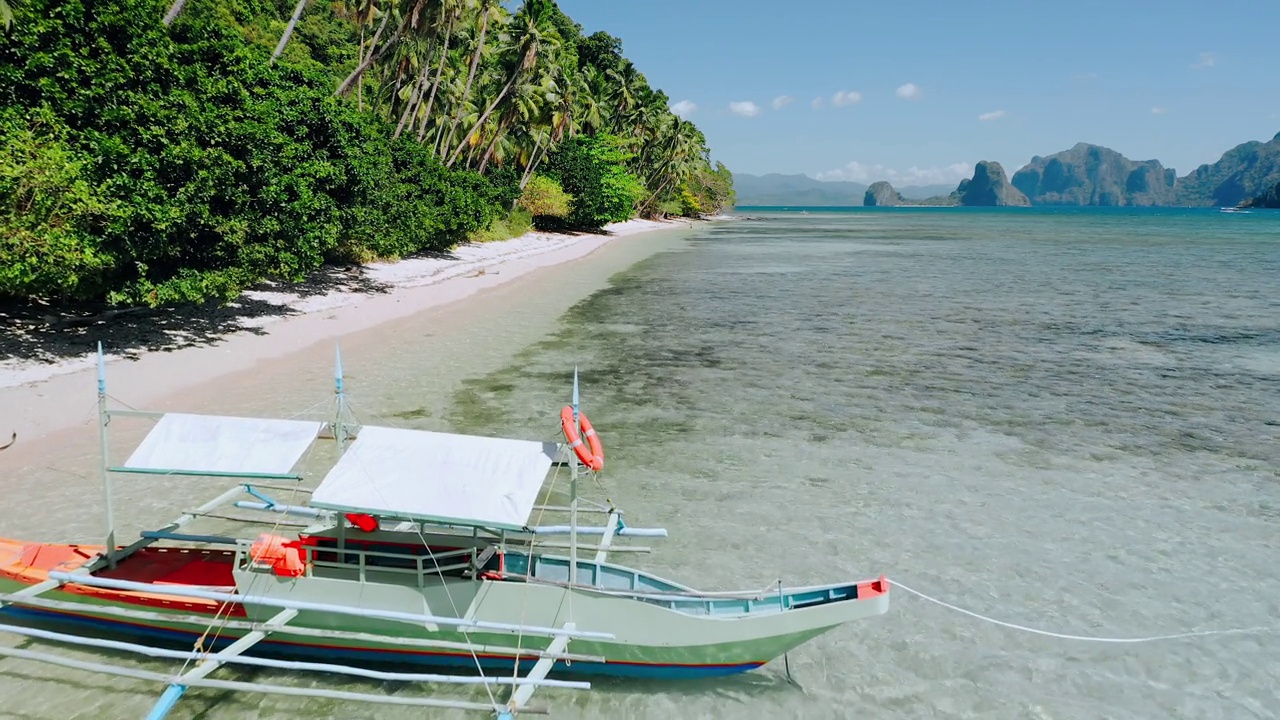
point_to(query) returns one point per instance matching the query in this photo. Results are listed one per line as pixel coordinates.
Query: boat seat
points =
(484, 557)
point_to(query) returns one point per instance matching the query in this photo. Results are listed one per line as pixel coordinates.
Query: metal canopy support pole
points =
(104, 418)
(573, 491)
(181, 521)
(179, 686)
(340, 405)
(539, 673)
(603, 552)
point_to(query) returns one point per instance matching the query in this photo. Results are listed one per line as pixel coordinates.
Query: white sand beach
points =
(42, 396)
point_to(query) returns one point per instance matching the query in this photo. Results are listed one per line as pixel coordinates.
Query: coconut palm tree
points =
(530, 32)
(482, 13)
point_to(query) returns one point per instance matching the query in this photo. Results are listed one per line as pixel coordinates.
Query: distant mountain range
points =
(776, 189)
(1083, 175)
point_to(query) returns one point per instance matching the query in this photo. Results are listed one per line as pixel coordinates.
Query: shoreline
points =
(43, 397)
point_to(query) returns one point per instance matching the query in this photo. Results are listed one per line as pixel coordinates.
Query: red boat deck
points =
(177, 566)
(30, 563)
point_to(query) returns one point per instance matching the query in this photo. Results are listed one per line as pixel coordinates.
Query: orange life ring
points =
(591, 453)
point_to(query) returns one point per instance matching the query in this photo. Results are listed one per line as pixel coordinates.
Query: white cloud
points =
(684, 108)
(1157, 111)
(862, 173)
(745, 108)
(817, 103)
(993, 115)
(845, 97)
(782, 101)
(910, 91)
(1207, 60)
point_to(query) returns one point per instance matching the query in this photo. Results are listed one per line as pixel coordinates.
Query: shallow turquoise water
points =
(1064, 419)
(1060, 419)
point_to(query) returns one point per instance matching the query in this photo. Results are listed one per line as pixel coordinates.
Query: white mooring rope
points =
(1086, 638)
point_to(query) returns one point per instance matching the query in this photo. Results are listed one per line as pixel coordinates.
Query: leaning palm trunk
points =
(493, 146)
(645, 205)
(174, 11)
(374, 53)
(431, 101)
(415, 99)
(288, 31)
(466, 91)
(487, 112)
(533, 163)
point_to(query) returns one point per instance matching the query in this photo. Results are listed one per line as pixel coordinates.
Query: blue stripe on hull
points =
(358, 656)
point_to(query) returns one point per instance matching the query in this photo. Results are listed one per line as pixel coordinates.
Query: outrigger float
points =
(417, 552)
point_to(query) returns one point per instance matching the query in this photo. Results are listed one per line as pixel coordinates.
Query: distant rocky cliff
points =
(1094, 175)
(989, 187)
(1245, 171)
(881, 194)
(1084, 175)
(1269, 199)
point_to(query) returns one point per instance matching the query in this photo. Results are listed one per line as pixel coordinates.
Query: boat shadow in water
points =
(760, 683)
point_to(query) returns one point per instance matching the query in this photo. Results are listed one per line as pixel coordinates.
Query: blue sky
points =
(1179, 81)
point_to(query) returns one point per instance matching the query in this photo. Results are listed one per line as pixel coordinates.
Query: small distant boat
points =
(1243, 211)
(418, 549)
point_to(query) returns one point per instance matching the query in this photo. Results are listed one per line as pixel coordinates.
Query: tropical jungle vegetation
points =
(171, 151)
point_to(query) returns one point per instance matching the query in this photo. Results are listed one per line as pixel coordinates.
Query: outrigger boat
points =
(418, 551)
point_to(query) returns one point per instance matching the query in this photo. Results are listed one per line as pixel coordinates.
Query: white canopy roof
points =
(437, 477)
(215, 444)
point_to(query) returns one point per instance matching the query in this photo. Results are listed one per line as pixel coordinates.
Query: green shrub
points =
(513, 225)
(543, 197)
(49, 212)
(592, 170)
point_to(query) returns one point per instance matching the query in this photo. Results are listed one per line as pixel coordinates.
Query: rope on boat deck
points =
(1086, 638)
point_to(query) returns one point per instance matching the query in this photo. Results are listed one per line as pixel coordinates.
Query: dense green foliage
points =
(592, 171)
(543, 197)
(152, 162)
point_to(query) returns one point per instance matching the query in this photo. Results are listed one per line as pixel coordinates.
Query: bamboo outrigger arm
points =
(12, 440)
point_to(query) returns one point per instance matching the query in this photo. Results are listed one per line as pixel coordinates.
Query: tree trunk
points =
(288, 31)
(493, 146)
(431, 101)
(533, 162)
(488, 111)
(174, 11)
(360, 81)
(374, 54)
(656, 193)
(415, 96)
(466, 91)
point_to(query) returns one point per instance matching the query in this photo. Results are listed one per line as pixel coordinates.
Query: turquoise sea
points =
(1063, 419)
(1066, 419)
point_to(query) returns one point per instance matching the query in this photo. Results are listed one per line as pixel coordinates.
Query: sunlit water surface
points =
(1066, 420)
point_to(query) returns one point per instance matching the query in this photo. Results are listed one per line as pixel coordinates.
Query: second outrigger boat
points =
(418, 551)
